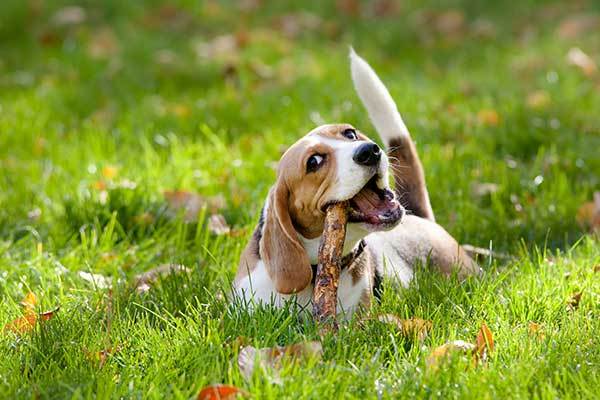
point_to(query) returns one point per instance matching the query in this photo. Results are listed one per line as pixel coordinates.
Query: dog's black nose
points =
(367, 154)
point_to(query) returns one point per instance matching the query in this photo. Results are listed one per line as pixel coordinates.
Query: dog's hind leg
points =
(404, 160)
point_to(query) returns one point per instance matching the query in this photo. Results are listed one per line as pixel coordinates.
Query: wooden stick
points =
(328, 269)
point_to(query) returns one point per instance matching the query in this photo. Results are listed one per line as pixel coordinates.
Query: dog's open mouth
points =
(375, 206)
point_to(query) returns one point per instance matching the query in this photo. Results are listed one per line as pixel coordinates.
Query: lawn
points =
(114, 112)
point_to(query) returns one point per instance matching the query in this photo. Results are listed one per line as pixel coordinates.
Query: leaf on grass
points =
(414, 327)
(484, 344)
(192, 203)
(218, 225)
(145, 280)
(30, 318)
(97, 280)
(110, 171)
(220, 392)
(441, 353)
(103, 44)
(574, 301)
(488, 117)
(581, 60)
(102, 356)
(536, 330)
(71, 15)
(476, 252)
(30, 301)
(578, 24)
(588, 215)
(538, 99)
(596, 268)
(271, 358)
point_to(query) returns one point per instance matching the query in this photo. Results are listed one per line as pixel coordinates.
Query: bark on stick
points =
(328, 269)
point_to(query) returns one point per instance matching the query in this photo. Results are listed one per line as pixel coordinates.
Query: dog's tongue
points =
(375, 207)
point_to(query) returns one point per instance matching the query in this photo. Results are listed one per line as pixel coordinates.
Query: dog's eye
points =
(314, 162)
(350, 134)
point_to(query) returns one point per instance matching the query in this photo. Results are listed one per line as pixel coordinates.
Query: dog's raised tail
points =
(383, 112)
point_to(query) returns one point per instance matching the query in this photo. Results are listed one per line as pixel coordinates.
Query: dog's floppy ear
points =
(284, 256)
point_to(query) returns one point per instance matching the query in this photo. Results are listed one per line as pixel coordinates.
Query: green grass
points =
(186, 123)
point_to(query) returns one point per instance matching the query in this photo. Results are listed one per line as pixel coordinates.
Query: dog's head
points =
(332, 163)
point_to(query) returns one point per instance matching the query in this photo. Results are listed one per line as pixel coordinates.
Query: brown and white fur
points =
(275, 267)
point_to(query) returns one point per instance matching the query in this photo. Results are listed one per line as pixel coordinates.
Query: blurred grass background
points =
(105, 105)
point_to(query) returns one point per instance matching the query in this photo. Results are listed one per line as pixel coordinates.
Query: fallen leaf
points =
(474, 252)
(484, 343)
(102, 356)
(574, 301)
(71, 15)
(578, 24)
(597, 268)
(450, 22)
(271, 358)
(218, 225)
(588, 215)
(220, 392)
(349, 7)
(439, 354)
(103, 44)
(488, 117)
(29, 319)
(110, 171)
(538, 99)
(30, 301)
(413, 327)
(192, 203)
(145, 280)
(97, 280)
(578, 58)
(536, 330)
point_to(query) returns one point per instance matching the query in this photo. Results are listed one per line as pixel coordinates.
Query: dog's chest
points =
(258, 288)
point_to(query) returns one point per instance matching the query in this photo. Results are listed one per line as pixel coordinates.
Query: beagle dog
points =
(335, 163)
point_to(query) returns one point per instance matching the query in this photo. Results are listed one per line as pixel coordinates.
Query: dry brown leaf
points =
(578, 24)
(145, 280)
(536, 330)
(439, 354)
(103, 44)
(102, 356)
(451, 22)
(192, 203)
(349, 7)
(218, 225)
(484, 343)
(574, 301)
(581, 60)
(414, 327)
(271, 358)
(220, 392)
(488, 117)
(588, 215)
(596, 268)
(30, 318)
(30, 301)
(538, 99)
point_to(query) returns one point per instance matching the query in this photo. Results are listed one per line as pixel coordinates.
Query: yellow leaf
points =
(414, 327)
(484, 343)
(30, 301)
(488, 117)
(538, 99)
(109, 171)
(220, 392)
(441, 353)
(536, 330)
(581, 60)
